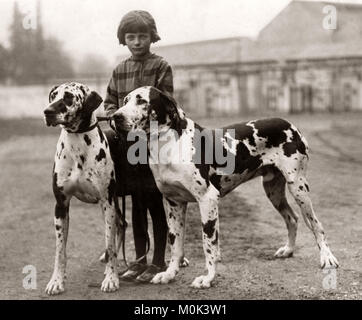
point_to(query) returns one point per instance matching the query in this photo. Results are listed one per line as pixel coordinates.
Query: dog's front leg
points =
(61, 224)
(208, 204)
(111, 280)
(176, 218)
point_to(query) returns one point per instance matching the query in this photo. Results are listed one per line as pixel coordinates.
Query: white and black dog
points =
(271, 148)
(82, 168)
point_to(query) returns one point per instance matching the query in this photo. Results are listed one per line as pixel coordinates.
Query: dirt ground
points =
(250, 229)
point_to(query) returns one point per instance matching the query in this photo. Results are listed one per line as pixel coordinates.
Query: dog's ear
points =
(165, 105)
(92, 102)
(50, 98)
(178, 122)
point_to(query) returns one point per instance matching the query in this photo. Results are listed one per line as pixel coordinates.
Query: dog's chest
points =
(83, 166)
(173, 180)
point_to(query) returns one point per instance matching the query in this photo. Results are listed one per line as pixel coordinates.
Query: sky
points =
(90, 26)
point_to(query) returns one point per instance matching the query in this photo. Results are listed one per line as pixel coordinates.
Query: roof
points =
(217, 51)
(206, 52)
(297, 33)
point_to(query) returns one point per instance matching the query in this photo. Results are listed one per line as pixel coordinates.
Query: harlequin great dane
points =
(271, 148)
(83, 168)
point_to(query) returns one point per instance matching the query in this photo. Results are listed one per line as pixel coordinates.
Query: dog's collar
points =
(90, 128)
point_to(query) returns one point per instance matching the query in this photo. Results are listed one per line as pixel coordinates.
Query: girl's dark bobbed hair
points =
(137, 21)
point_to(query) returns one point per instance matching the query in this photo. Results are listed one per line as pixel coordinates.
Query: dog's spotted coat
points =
(83, 168)
(271, 148)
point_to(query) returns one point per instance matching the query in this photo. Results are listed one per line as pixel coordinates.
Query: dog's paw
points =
(328, 260)
(163, 277)
(202, 282)
(110, 282)
(284, 252)
(55, 285)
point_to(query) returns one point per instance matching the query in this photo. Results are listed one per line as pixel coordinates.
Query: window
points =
(347, 96)
(272, 98)
(182, 98)
(224, 82)
(209, 100)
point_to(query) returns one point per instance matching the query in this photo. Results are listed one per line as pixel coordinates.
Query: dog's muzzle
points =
(50, 117)
(120, 122)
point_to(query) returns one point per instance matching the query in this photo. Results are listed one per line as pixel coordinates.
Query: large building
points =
(296, 64)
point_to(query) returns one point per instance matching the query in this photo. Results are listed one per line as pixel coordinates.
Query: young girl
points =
(137, 30)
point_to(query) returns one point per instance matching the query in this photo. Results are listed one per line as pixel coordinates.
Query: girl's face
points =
(138, 43)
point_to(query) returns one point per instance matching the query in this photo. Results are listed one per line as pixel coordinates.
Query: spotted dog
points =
(83, 168)
(271, 148)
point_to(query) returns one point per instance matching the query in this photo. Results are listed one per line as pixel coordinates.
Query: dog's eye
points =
(68, 98)
(141, 101)
(52, 96)
(62, 107)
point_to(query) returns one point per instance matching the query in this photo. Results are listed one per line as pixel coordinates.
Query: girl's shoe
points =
(184, 262)
(133, 271)
(149, 273)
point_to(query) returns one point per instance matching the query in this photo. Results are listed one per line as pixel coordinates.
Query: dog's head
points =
(147, 104)
(71, 105)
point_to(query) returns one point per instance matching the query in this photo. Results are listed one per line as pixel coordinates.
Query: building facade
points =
(295, 65)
